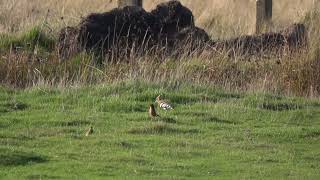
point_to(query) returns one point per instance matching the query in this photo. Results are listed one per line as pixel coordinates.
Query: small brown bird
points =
(152, 111)
(163, 104)
(90, 131)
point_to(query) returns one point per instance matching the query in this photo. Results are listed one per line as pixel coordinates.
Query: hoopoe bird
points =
(152, 111)
(90, 131)
(163, 104)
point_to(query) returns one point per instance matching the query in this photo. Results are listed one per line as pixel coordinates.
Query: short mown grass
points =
(210, 134)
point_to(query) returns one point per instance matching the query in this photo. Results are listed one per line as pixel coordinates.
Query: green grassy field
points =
(264, 130)
(210, 134)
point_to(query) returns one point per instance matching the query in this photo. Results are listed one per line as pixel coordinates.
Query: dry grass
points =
(221, 18)
(296, 73)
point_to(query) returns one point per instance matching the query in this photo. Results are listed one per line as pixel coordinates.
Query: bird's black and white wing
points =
(165, 106)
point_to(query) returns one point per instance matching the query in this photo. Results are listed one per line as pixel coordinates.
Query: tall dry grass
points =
(296, 73)
(221, 18)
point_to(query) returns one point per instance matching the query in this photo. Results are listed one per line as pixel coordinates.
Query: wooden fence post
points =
(123, 3)
(263, 15)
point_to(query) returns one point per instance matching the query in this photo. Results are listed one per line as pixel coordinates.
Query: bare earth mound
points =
(289, 39)
(169, 26)
(129, 27)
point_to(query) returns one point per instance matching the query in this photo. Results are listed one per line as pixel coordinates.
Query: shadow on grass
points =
(180, 99)
(19, 137)
(132, 160)
(279, 106)
(40, 176)
(3, 110)
(16, 106)
(3, 125)
(161, 128)
(154, 119)
(217, 120)
(230, 96)
(311, 135)
(17, 158)
(51, 132)
(126, 145)
(72, 123)
(195, 114)
(315, 104)
(207, 117)
(123, 107)
(13, 106)
(167, 120)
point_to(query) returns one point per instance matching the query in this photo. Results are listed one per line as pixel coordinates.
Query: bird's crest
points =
(158, 98)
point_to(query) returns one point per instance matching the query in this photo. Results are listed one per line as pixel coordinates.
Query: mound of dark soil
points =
(190, 40)
(169, 27)
(288, 39)
(173, 17)
(123, 29)
(126, 25)
(295, 35)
